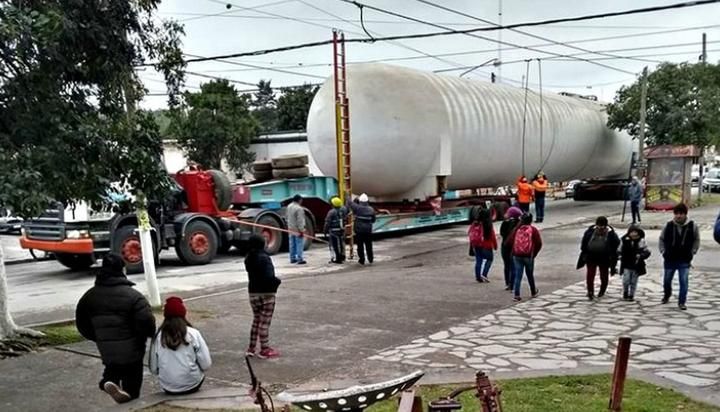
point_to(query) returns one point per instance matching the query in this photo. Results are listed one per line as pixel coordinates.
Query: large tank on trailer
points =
(415, 133)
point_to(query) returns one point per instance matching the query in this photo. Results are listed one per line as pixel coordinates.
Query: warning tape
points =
(292, 232)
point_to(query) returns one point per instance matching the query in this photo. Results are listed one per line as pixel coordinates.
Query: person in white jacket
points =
(179, 355)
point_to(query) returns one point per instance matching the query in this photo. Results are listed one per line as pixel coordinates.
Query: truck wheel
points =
(199, 244)
(309, 230)
(75, 261)
(273, 238)
(223, 191)
(127, 244)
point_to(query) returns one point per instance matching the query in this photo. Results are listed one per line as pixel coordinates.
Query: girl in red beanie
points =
(179, 355)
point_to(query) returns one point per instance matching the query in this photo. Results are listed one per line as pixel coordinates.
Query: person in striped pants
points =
(262, 287)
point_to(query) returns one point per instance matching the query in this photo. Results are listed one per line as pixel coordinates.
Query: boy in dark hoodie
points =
(633, 253)
(679, 242)
(262, 287)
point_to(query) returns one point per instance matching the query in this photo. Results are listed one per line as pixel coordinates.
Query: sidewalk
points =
(367, 323)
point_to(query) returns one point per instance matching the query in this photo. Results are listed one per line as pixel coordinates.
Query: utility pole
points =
(703, 56)
(643, 113)
(499, 56)
(701, 171)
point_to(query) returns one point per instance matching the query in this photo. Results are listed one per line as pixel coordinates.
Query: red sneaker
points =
(269, 353)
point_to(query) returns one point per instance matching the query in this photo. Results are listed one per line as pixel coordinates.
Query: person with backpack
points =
(540, 187)
(512, 219)
(179, 355)
(296, 226)
(484, 243)
(679, 242)
(598, 252)
(633, 254)
(262, 288)
(335, 230)
(526, 245)
(119, 320)
(363, 226)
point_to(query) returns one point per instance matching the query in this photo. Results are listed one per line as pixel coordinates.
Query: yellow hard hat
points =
(336, 202)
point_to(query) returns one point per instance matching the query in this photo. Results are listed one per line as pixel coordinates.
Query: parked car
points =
(9, 223)
(711, 181)
(570, 188)
(695, 174)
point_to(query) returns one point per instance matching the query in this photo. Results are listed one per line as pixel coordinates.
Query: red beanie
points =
(174, 307)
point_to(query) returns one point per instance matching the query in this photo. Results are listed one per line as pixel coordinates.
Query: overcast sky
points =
(212, 29)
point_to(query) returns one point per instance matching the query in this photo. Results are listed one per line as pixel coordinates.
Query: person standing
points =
(635, 194)
(679, 242)
(262, 288)
(524, 194)
(526, 245)
(119, 320)
(512, 219)
(598, 252)
(484, 243)
(179, 355)
(296, 225)
(633, 254)
(540, 186)
(335, 230)
(716, 230)
(363, 226)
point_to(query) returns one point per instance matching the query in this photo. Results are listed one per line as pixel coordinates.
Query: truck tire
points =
(126, 243)
(75, 261)
(289, 161)
(199, 244)
(273, 238)
(223, 189)
(262, 166)
(303, 171)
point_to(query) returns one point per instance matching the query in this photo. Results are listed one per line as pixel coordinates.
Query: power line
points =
(261, 67)
(230, 12)
(559, 43)
(448, 32)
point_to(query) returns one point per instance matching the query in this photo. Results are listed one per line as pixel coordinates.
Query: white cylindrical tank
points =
(410, 127)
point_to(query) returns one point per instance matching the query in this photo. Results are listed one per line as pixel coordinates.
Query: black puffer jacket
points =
(117, 317)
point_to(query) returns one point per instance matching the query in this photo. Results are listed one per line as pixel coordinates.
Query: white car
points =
(711, 181)
(9, 223)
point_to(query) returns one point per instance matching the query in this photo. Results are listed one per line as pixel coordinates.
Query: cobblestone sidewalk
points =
(565, 330)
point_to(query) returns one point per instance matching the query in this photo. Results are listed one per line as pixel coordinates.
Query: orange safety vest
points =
(525, 192)
(540, 185)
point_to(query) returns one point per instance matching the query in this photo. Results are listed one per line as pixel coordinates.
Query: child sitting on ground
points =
(179, 355)
(633, 252)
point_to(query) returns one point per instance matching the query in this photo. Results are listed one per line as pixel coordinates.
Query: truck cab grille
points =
(50, 225)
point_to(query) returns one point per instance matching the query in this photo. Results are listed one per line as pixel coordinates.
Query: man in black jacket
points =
(363, 226)
(679, 242)
(119, 320)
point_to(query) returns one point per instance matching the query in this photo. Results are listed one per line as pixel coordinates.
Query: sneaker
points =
(362, 262)
(508, 287)
(293, 261)
(302, 262)
(601, 294)
(631, 299)
(485, 279)
(250, 352)
(591, 298)
(268, 353)
(682, 307)
(665, 301)
(536, 293)
(517, 298)
(118, 395)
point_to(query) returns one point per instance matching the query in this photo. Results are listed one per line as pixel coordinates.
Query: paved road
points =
(46, 291)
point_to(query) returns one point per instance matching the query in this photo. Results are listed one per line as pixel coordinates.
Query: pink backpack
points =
(523, 245)
(476, 235)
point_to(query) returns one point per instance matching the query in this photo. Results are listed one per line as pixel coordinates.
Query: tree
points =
(293, 107)
(68, 128)
(265, 107)
(215, 124)
(683, 103)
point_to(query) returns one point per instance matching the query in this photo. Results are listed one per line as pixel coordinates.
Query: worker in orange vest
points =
(524, 194)
(540, 185)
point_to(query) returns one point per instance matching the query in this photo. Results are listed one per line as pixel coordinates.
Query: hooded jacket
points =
(364, 217)
(635, 192)
(261, 273)
(116, 317)
(633, 253)
(608, 258)
(679, 242)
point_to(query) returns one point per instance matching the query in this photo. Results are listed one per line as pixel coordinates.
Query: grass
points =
(548, 394)
(60, 334)
(708, 199)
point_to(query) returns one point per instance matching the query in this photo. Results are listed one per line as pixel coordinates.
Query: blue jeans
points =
(527, 265)
(540, 208)
(683, 270)
(297, 246)
(483, 261)
(509, 270)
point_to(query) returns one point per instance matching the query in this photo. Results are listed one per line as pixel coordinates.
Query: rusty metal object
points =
(619, 374)
(257, 392)
(487, 394)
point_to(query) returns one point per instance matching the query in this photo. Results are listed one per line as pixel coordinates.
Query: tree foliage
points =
(265, 107)
(683, 105)
(293, 107)
(66, 84)
(215, 124)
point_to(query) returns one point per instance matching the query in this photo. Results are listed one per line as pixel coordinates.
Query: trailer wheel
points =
(273, 238)
(75, 261)
(309, 231)
(199, 244)
(127, 244)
